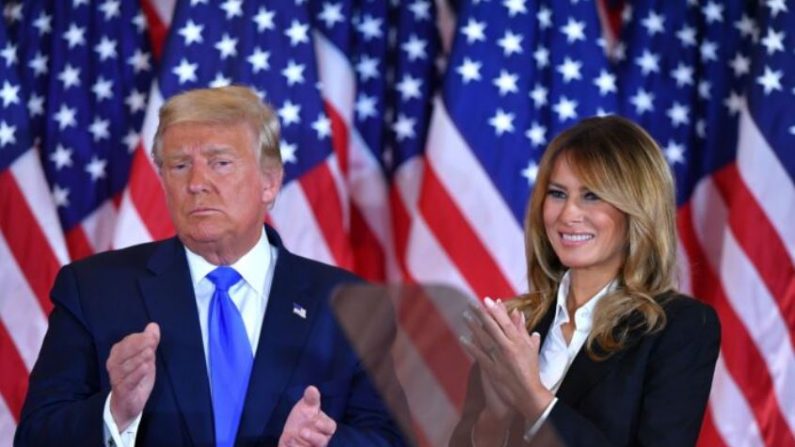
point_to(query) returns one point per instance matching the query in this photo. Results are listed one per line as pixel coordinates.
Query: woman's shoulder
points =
(686, 316)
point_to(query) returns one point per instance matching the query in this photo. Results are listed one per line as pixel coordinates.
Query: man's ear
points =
(271, 184)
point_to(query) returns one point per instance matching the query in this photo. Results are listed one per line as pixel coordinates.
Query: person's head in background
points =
(217, 152)
(603, 208)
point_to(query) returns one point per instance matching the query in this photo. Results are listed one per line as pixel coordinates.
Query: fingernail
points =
(465, 339)
(468, 316)
(489, 302)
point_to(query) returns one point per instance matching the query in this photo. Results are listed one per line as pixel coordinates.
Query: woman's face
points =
(587, 233)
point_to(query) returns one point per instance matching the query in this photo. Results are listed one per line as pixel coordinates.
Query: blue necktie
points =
(230, 357)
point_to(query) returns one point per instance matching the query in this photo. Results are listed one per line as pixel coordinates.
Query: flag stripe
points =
(13, 374)
(147, 196)
(740, 353)
(729, 410)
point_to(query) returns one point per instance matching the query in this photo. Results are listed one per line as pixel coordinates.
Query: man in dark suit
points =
(219, 336)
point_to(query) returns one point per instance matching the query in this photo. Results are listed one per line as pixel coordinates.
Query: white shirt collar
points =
(584, 315)
(252, 266)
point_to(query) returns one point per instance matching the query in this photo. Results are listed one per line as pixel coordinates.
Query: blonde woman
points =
(603, 351)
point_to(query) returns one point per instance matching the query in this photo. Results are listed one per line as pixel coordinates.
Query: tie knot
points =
(224, 277)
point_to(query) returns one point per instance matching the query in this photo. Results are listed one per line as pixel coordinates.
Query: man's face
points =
(217, 194)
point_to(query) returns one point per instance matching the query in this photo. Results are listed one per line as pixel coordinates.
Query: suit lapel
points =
(170, 300)
(282, 338)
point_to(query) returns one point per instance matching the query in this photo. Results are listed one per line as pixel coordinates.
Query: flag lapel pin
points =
(299, 310)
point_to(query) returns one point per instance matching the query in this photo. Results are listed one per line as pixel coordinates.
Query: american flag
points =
(408, 160)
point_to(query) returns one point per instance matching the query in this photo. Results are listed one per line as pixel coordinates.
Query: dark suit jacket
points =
(103, 298)
(652, 393)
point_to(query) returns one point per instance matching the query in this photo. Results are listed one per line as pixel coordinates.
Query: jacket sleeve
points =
(676, 384)
(64, 402)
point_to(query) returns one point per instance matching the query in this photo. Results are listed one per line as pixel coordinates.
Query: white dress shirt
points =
(249, 295)
(556, 355)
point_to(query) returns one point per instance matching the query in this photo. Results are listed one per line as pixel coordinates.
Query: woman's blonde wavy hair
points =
(619, 162)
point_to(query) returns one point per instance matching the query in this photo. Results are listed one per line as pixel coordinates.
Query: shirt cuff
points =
(533, 429)
(111, 432)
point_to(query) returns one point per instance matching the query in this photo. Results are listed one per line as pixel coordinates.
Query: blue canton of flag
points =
(85, 71)
(519, 73)
(267, 46)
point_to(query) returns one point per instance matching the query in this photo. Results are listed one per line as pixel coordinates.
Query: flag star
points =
(259, 60)
(36, 105)
(740, 65)
(404, 127)
(602, 112)
(7, 132)
(106, 48)
(96, 168)
(511, 43)
(606, 82)
(322, 126)
(515, 7)
(191, 33)
(713, 12)
(734, 102)
(131, 140)
(331, 14)
(643, 101)
(264, 19)
(648, 62)
(773, 41)
(139, 22)
(135, 101)
(139, 61)
(75, 36)
(43, 23)
(502, 122)
(536, 134)
(421, 10)
(9, 53)
(506, 82)
(747, 27)
(220, 80)
(414, 48)
(792, 130)
(186, 71)
(683, 74)
(233, 8)
(687, 36)
(297, 32)
(679, 114)
(654, 23)
(61, 156)
(701, 128)
(365, 106)
(99, 128)
(70, 76)
(469, 70)
(294, 73)
(674, 152)
(65, 117)
(409, 87)
(287, 151)
(474, 31)
(569, 69)
(539, 95)
(9, 94)
(704, 88)
(541, 56)
(77, 3)
(530, 172)
(770, 80)
(709, 51)
(618, 52)
(111, 8)
(103, 89)
(227, 46)
(544, 17)
(574, 30)
(198, 2)
(60, 196)
(367, 67)
(776, 6)
(13, 12)
(370, 27)
(565, 108)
